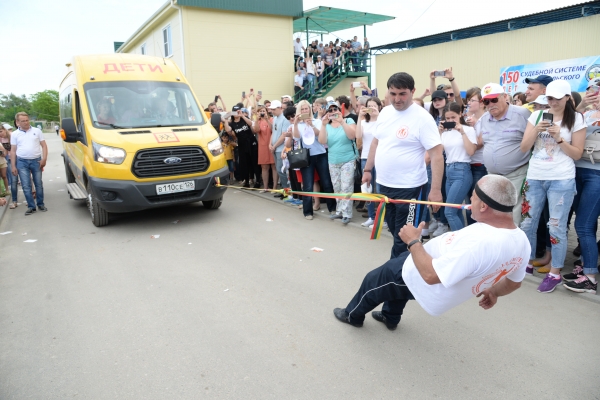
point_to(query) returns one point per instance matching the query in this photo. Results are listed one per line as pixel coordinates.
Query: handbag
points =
(357, 165)
(591, 148)
(299, 158)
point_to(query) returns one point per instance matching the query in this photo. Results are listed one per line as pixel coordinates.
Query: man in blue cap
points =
(535, 87)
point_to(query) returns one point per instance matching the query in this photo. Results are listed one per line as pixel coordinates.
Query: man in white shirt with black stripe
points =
(28, 157)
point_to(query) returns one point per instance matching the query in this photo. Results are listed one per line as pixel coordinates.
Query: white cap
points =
(491, 91)
(287, 96)
(558, 89)
(329, 98)
(541, 99)
(7, 126)
(275, 104)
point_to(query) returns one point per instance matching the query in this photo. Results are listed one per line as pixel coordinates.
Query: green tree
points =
(10, 104)
(44, 105)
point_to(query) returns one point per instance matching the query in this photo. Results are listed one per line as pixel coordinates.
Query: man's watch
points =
(367, 170)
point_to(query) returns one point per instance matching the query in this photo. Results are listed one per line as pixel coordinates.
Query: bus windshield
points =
(141, 104)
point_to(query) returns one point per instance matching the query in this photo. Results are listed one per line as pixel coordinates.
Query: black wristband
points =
(413, 243)
(450, 80)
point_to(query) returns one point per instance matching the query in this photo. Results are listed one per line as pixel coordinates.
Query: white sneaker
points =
(368, 223)
(441, 229)
(433, 224)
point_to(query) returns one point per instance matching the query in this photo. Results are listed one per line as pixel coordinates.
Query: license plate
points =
(175, 187)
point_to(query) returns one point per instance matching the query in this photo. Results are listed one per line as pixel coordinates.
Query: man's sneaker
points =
(342, 315)
(573, 276)
(368, 223)
(335, 215)
(290, 199)
(548, 284)
(582, 285)
(346, 220)
(440, 230)
(433, 224)
(529, 270)
(297, 202)
(42, 208)
(378, 316)
(30, 211)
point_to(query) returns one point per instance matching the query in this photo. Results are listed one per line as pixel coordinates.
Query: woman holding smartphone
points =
(557, 137)
(587, 182)
(460, 142)
(367, 120)
(263, 128)
(338, 134)
(306, 129)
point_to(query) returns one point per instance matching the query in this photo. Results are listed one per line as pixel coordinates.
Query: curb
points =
(529, 278)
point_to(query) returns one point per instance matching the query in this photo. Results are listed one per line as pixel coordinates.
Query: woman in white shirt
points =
(459, 143)
(475, 110)
(306, 130)
(367, 120)
(556, 144)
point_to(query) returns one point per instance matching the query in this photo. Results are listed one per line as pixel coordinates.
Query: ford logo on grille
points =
(172, 160)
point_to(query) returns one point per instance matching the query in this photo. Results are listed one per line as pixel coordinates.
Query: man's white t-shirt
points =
(367, 137)
(298, 80)
(454, 146)
(298, 48)
(28, 143)
(403, 137)
(548, 162)
(467, 262)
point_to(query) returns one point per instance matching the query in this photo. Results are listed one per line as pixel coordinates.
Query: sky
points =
(34, 58)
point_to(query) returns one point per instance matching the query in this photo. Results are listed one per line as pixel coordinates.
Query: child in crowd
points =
(228, 146)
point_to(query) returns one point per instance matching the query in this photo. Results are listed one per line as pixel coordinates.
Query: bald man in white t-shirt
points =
(484, 259)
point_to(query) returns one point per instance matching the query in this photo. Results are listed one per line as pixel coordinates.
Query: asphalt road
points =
(227, 305)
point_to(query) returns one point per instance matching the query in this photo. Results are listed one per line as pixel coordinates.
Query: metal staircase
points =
(344, 67)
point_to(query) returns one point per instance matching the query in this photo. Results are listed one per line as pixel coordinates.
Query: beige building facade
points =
(223, 52)
(477, 61)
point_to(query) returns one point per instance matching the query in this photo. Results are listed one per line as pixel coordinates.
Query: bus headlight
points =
(215, 147)
(108, 155)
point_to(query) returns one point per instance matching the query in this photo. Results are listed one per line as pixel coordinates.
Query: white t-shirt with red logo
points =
(403, 137)
(467, 262)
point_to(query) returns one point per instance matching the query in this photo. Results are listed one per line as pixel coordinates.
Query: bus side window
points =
(79, 118)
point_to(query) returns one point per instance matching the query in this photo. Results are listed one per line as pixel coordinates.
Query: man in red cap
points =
(500, 131)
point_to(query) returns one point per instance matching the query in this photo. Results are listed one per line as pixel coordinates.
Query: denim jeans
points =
(399, 214)
(458, 184)
(283, 180)
(588, 209)
(372, 206)
(321, 165)
(12, 181)
(477, 172)
(311, 83)
(439, 214)
(27, 169)
(559, 194)
(382, 285)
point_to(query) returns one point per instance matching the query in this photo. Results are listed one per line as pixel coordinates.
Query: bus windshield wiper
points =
(112, 125)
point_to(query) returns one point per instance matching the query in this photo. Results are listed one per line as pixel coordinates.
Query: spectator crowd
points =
(436, 146)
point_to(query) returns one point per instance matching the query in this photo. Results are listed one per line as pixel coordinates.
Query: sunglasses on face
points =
(334, 109)
(488, 101)
(450, 94)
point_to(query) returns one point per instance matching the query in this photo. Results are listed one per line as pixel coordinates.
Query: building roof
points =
(328, 19)
(580, 10)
